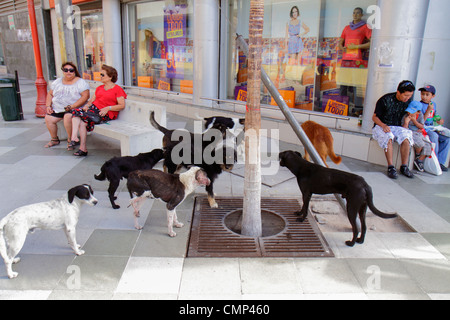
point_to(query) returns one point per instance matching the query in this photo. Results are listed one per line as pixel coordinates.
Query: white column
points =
(395, 49)
(112, 36)
(206, 50)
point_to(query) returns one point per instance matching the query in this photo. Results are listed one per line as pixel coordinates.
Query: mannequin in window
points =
(354, 39)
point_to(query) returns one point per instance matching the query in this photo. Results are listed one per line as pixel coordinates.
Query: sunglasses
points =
(406, 84)
(68, 70)
(102, 74)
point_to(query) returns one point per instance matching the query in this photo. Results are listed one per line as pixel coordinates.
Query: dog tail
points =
(102, 175)
(3, 248)
(156, 124)
(369, 198)
(336, 159)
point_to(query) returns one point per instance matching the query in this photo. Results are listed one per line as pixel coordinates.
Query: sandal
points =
(80, 153)
(72, 144)
(53, 142)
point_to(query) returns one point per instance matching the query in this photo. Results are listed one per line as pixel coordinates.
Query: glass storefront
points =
(93, 46)
(161, 45)
(304, 55)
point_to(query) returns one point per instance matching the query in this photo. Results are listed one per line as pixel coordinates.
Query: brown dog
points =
(322, 140)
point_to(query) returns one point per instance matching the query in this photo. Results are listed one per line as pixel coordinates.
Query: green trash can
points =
(9, 102)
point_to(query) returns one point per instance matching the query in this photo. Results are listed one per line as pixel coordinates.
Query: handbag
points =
(93, 114)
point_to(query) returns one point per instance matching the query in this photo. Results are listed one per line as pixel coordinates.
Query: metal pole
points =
(41, 84)
(289, 116)
(19, 98)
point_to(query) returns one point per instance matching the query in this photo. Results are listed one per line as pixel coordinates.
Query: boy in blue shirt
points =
(429, 110)
(414, 121)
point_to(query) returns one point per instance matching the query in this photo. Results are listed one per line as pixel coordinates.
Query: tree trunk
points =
(251, 220)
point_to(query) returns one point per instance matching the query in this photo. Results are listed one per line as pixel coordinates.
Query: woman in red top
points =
(108, 100)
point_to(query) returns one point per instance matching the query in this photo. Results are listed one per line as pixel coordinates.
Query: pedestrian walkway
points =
(123, 263)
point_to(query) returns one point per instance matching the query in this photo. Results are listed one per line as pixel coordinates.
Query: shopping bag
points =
(431, 164)
(442, 130)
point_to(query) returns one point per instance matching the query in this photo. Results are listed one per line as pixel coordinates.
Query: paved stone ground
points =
(123, 263)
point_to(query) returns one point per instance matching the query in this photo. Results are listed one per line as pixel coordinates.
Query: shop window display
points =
(304, 55)
(161, 46)
(93, 48)
(343, 56)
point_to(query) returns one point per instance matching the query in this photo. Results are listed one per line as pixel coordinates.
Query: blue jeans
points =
(442, 145)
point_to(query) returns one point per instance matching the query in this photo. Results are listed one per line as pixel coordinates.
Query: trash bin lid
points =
(7, 82)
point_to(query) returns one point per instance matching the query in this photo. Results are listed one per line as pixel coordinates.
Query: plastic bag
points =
(431, 164)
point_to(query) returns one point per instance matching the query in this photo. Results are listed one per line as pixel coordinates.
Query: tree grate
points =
(210, 236)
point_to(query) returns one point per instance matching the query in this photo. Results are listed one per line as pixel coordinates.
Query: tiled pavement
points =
(123, 263)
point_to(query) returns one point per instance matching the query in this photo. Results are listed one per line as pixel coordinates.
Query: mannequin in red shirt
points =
(355, 37)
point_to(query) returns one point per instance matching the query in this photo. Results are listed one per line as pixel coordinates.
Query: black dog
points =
(196, 153)
(119, 167)
(315, 179)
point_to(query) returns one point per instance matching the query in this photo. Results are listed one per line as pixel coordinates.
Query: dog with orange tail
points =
(322, 140)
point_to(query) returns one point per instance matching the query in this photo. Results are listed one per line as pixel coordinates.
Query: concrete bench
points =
(132, 127)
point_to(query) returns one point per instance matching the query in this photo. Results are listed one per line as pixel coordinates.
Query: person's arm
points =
(428, 112)
(48, 102)
(379, 110)
(405, 121)
(306, 28)
(378, 122)
(359, 46)
(80, 102)
(341, 44)
(118, 107)
(286, 37)
(417, 123)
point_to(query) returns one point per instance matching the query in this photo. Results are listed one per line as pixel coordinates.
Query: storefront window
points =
(344, 56)
(92, 36)
(303, 55)
(161, 46)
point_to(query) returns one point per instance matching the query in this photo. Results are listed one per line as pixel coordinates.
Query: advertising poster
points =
(175, 35)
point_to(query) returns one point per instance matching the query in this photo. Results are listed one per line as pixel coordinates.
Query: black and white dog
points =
(234, 125)
(169, 188)
(53, 215)
(120, 167)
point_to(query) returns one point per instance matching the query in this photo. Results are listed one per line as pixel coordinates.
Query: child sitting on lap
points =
(414, 121)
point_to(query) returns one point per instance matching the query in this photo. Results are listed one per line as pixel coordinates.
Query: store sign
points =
(163, 85)
(336, 107)
(11, 23)
(175, 34)
(242, 95)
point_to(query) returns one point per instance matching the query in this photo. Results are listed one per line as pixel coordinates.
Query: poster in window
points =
(175, 35)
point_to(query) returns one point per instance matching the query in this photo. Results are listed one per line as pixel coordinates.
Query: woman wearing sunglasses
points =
(104, 106)
(66, 93)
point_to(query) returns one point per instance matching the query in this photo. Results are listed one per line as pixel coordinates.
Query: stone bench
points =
(132, 127)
